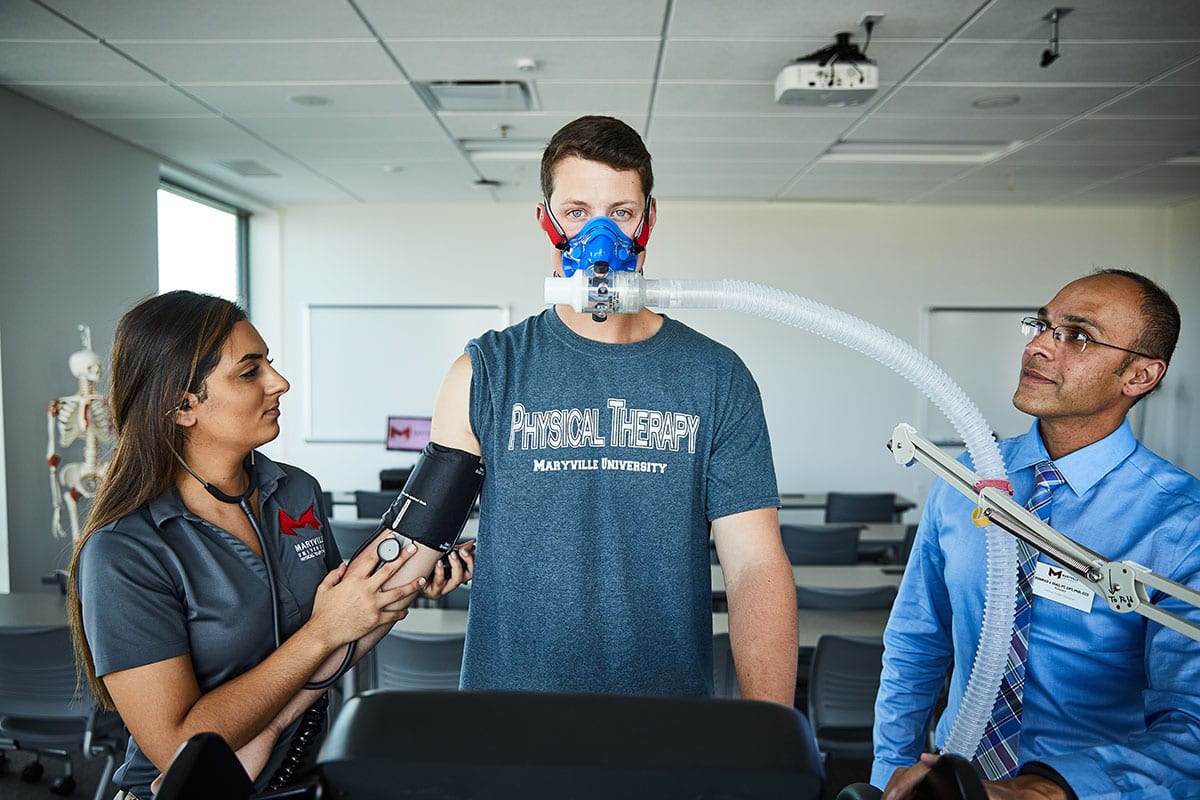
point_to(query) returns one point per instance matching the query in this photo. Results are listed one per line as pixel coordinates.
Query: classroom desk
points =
(790, 500)
(878, 533)
(21, 610)
(829, 576)
(811, 622)
(810, 500)
(432, 620)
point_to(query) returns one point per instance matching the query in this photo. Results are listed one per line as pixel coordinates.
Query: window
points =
(201, 245)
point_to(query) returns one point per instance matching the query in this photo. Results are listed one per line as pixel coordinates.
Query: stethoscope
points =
(243, 502)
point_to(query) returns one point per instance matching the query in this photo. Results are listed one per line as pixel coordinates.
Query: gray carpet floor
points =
(87, 772)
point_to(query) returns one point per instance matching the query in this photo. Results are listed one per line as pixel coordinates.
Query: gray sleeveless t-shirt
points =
(605, 465)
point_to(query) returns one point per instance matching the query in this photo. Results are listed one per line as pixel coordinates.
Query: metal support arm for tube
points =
(1122, 584)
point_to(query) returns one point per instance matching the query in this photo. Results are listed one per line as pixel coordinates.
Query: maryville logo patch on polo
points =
(288, 526)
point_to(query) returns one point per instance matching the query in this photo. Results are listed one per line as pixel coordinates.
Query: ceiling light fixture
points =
(917, 152)
(996, 101)
(504, 149)
(485, 183)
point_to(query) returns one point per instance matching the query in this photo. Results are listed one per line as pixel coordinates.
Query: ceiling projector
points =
(838, 75)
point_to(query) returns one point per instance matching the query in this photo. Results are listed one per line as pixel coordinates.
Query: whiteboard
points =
(367, 362)
(980, 349)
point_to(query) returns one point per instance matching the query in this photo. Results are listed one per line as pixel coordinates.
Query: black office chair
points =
(837, 599)
(371, 505)
(860, 507)
(418, 661)
(41, 712)
(725, 681)
(910, 538)
(393, 479)
(847, 599)
(459, 599)
(820, 544)
(842, 684)
(348, 534)
(586, 747)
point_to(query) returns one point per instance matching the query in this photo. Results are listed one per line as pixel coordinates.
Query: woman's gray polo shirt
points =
(162, 582)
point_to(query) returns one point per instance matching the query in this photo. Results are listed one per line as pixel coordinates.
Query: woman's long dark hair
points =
(164, 347)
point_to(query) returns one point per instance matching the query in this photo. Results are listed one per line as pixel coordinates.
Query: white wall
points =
(1176, 432)
(831, 410)
(77, 219)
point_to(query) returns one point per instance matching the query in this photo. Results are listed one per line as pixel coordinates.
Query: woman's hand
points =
(356, 598)
(453, 571)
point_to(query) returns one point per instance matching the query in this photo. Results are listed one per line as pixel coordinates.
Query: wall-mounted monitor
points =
(407, 433)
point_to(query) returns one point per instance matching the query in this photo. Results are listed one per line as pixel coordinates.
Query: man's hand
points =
(452, 571)
(1025, 787)
(905, 782)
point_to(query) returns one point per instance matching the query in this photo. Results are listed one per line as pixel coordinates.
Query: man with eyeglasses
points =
(1093, 703)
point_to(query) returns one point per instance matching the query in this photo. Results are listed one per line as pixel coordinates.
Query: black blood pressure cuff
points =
(1050, 774)
(438, 497)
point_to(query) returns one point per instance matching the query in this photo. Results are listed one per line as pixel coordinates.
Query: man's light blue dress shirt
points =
(1112, 701)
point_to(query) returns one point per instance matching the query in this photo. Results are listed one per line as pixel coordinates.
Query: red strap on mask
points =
(559, 238)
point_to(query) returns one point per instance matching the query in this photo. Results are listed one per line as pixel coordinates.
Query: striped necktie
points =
(1000, 745)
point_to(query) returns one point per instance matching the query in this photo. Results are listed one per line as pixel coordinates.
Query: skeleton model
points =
(80, 416)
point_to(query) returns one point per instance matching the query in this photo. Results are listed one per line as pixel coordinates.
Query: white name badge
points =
(1055, 583)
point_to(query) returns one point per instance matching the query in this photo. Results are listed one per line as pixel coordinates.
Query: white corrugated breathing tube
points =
(626, 292)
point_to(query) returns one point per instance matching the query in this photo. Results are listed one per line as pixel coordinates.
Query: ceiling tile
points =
(228, 20)
(942, 99)
(514, 18)
(816, 18)
(1096, 19)
(556, 60)
(266, 62)
(344, 98)
(946, 128)
(283, 127)
(114, 100)
(19, 20)
(1119, 129)
(74, 62)
(1079, 63)
(521, 125)
(750, 127)
(613, 97)
(1159, 100)
(796, 151)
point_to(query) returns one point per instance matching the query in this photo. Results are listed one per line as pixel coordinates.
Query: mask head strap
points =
(560, 240)
(550, 225)
(642, 234)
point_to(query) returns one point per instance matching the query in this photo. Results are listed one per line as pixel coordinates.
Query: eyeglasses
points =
(1074, 338)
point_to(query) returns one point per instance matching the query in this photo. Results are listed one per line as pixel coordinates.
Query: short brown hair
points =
(607, 140)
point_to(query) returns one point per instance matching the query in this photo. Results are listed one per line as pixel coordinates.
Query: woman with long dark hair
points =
(205, 589)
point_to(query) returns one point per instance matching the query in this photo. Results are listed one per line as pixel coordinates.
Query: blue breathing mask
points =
(599, 241)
